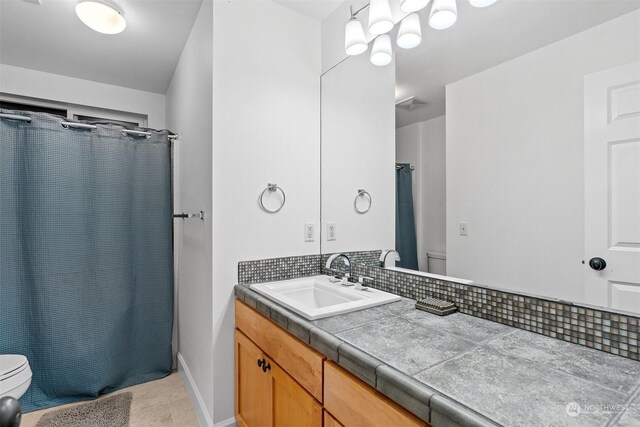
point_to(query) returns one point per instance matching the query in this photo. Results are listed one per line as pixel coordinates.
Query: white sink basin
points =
(316, 297)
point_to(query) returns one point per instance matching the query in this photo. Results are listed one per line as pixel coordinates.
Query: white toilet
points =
(15, 375)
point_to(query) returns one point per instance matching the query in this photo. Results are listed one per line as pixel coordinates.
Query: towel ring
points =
(271, 188)
(364, 194)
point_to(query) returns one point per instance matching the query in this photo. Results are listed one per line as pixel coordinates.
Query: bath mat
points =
(111, 411)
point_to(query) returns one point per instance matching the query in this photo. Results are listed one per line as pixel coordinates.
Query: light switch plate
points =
(464, 229)
(331, 231)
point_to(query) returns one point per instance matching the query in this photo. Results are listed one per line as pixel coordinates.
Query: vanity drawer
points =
(355, 404)
(299, 360)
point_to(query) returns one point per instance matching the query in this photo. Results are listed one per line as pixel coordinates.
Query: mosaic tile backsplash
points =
(588, 326)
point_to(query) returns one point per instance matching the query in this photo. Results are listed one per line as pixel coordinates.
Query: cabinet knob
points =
(261, 362)
(265, 366)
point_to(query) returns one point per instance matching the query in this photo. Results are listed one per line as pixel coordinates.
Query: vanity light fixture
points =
(482, 3)
(103, 16)
(381, 53)
(444, 13)
(409, 6)
(355, 42)
(380, 18)
(410, 33)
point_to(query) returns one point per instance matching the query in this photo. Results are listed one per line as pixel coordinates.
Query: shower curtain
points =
(86, 287)
(405, 222)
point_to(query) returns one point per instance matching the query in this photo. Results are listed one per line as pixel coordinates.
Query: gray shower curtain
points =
(405, 221)
(86, 287)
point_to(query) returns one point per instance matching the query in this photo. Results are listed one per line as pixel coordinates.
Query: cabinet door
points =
(292, 406)
(253, 391)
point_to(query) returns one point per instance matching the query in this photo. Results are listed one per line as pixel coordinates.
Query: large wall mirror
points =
(504, 150)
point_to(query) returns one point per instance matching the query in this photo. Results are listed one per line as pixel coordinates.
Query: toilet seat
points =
(15, 375)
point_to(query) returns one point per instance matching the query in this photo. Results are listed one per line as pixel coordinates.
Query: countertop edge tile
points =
(445, 410)
(325, 343)
(406, 391)
(359, 363)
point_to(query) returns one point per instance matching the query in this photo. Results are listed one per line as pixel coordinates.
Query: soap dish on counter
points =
(436, 306)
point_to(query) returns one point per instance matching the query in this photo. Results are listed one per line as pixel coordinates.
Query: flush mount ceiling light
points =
(482, 3)
(103, 16)
(409, 6)
(444, 13)
(410, 33)
(380, 18)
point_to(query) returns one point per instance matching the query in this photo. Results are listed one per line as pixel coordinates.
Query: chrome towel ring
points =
(365, 195)
(271, 188)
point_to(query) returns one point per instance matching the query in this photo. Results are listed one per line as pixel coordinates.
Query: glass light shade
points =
(482, 3)
(409, 6)
(355, 41)
(410, 33)
(381, 53)
(444, 14)
(103, 16)
(380, 18)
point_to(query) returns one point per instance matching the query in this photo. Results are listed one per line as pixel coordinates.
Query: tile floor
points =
(161, 403)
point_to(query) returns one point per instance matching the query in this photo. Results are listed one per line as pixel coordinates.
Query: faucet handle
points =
(360, 285)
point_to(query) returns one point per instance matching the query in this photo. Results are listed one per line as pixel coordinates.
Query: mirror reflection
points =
(515, 161)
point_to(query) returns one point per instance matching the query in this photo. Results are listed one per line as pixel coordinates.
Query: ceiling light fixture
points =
(380, 18)
(103, 16)
(409, 6)
(482, 3)
(410, 33)
(444, 13)
(355, 42)
(381, 53)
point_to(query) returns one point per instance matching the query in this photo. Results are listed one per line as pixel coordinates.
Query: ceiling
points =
(49, 37)
(483, 38)
(316, 9)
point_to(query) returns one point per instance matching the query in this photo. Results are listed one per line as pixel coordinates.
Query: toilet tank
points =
(437, 263)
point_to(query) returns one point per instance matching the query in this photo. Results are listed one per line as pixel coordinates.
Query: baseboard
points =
(231, 422)
(196, 399)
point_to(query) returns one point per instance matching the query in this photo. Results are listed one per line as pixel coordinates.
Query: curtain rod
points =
(27, 119)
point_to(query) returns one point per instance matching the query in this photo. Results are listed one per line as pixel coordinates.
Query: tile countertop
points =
(460, 370)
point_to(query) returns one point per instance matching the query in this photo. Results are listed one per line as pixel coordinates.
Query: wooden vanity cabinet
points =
(266, 396)
(282, 382)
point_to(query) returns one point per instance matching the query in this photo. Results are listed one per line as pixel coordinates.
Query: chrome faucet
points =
(335, 272)
(383, 256)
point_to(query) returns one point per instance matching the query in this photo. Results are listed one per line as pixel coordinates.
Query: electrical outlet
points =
(331, 231)
(464, 229)
(309, 232)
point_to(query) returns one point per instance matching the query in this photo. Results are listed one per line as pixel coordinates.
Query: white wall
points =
(190, 112)
(358, 152)
(54, 87)
(423, 145)
(515, 163)
(266, 130)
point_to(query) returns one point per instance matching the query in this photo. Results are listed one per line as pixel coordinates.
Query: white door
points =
(612, 187)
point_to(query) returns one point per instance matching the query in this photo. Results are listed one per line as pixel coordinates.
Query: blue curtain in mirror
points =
(405, 221)
(86, 258)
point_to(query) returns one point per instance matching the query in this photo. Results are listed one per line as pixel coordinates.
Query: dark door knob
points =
(261, 362)
(597, 263)
(266, 366)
